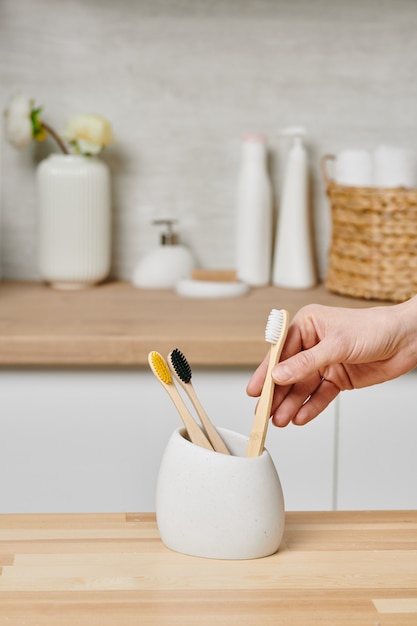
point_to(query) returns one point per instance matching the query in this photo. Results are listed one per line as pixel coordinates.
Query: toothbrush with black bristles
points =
(182, 370)
(160, 368)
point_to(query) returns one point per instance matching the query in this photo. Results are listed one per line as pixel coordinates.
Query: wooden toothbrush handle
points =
(263, 409)
(214, 437)
(194, 431)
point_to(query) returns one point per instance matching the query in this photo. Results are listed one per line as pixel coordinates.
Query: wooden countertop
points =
(333, 569)
(116, 324)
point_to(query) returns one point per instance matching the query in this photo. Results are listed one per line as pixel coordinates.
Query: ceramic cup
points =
(219, 506)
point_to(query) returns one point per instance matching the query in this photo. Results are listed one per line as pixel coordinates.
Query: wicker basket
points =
(373, 252)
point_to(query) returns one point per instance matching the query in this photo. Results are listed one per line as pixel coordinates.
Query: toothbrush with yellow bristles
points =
(161, 370)
(182, 370)
(275, 333)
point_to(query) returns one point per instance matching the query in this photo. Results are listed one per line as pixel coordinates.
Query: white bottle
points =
(294, 264)
(166, 264)
(254, 215)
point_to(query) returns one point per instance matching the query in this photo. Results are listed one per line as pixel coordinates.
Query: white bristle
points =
(274, 326)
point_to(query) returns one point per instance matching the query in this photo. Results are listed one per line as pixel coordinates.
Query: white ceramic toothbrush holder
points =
(218, 506)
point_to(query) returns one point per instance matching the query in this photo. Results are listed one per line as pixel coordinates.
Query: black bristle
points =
(181, 365)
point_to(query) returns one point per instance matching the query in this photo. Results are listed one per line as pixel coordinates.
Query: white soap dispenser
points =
(294, 263)
(166, 264)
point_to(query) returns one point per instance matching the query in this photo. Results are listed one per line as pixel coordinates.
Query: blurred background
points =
(182, 81)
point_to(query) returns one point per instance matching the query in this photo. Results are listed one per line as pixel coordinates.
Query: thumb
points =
(302, 365)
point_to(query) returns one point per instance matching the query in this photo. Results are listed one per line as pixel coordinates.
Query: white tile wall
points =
(182, 80)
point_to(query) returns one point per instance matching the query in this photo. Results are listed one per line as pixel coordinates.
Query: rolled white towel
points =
(353, 167)
(394, 167)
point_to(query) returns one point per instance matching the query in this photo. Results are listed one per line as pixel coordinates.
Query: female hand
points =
(330, 349)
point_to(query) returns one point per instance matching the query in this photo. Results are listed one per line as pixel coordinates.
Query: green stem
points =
(57, 138)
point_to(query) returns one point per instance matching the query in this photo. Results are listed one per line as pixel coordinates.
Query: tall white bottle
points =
(294, 264)
(254, 236)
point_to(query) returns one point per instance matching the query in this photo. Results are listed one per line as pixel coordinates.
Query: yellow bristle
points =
(161, 368)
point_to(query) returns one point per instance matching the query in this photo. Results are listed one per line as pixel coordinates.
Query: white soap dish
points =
(210, 289)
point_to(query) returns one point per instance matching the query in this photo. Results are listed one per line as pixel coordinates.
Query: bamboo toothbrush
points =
(182, 370)
(160, 368)
(275, 333)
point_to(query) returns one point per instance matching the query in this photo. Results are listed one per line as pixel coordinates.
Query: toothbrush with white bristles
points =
(160, 368)
(275, 333)
(182, 370)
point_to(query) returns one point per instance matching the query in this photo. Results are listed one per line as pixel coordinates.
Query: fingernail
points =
(281, 373)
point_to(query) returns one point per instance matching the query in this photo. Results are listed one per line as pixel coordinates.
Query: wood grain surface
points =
(333, 569)
(116, 324)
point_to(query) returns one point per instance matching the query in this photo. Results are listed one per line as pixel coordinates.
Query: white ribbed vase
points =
(74, 221)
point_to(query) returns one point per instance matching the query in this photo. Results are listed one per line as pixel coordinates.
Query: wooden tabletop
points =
(115, 324)
(332, 569)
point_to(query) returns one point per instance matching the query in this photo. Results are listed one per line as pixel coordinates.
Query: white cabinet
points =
(92, 440)
(377, 460)
(79, 440)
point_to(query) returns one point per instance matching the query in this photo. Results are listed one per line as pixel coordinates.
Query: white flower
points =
(88, 133)
(17, 121)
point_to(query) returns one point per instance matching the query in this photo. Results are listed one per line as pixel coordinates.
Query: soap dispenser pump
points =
(166, 264)
(294, 263)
